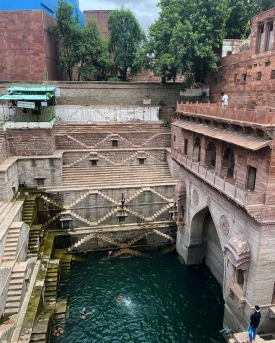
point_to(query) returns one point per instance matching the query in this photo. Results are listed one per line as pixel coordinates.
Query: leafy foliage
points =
(185, 39)
(92, 52)
(126, 39)
(67, 32)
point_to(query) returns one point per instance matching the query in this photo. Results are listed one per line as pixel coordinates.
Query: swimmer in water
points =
(119, 298)
(110, 254)
(57, 331)
(84, 313)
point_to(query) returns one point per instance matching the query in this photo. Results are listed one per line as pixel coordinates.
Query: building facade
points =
(224, 204)
(248, 77)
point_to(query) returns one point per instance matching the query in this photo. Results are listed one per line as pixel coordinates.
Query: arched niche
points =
(228, 163)
(179, 208)
(237, 253)
(210, 155)
(197, 150)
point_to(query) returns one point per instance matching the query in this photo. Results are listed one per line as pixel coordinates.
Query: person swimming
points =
(84, 313)
(58, 330)
(119, 298)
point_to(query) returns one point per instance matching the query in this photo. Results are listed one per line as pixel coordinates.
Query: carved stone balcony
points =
(241, 197)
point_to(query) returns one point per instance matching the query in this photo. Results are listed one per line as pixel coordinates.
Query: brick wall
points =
(30, 142)
(26, 46)
(246, 77)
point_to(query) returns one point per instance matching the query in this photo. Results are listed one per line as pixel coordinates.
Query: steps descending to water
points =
(34, 243)
(17, 288)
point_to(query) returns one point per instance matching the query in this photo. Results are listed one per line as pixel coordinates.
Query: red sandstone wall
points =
(26, 47)
(250, 62)
(30, 142)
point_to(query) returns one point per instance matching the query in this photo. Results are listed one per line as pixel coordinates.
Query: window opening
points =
(272, 74)
(210, 158)
(141, 160)
(261, 38)
(270, 36)
(121, 219)
(251, 178)
(244, 77)
(197, 150)
(185, 149)
(114, 143)
(235, 78)
(40, 182)
(94, 162)
(228, 163)
(259, 75)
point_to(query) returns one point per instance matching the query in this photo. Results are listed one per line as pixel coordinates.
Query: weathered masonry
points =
(224, 203)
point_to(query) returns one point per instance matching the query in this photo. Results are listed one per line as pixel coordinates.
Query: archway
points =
(205, 244)
(210, 155)
(214, 257)
(228, 163)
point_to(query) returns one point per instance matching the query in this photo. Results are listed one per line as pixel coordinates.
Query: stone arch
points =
(210, 155)
(205, 245)
(228, 163)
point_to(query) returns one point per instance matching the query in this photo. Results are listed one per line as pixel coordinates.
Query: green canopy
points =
(24, 97)
(32, 89)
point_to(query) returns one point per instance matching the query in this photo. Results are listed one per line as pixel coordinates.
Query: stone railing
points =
(260, 115)
(244, 198)
(4, 286)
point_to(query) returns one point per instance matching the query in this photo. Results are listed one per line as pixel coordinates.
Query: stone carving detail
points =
(195, 197)
(224, 225)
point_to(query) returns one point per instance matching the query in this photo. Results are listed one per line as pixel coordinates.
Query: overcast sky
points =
(146, 11)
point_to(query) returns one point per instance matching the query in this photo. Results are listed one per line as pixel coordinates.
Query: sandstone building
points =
(248, 77)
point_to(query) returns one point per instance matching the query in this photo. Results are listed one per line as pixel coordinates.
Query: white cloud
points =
(146, 11)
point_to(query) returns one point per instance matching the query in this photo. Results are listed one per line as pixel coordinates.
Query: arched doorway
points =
(205, 244)
(210, 155)
(214, 258)
(228, 163)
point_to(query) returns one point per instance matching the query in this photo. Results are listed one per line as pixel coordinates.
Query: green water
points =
(163, 302)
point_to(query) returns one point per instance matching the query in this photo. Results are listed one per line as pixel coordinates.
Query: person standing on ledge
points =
(224, 100)
(254, 323)
(122, 200)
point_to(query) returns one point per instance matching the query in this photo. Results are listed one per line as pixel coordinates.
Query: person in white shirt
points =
(224, 100)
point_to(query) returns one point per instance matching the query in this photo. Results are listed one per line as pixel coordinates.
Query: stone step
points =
(14, 293)
(15, 287)
(17, 275)
(12, 305)
(15, 282)
(11, 311)
(11, 299)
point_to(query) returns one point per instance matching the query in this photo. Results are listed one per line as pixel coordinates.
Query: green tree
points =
(258, 6)
(92, 51)
(186, 37)
(68, 33)
(126, 38)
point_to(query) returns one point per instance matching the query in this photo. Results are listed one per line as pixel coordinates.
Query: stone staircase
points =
(164, 235)
(98, 177)
(107, 215)
(34, 243)
(87, 136)
(50, 200)
(29, 209)
(17, 288)
(43, 321)
(10, 251)
(159, 212)
(107, 239)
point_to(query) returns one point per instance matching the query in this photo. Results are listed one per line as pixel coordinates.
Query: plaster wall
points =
(103, 114)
